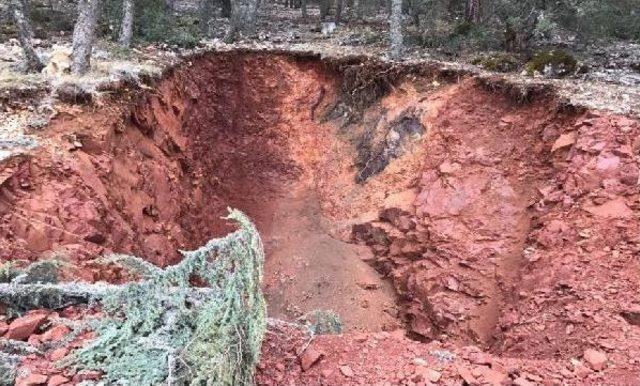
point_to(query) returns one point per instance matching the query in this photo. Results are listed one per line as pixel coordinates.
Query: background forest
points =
(446, 28)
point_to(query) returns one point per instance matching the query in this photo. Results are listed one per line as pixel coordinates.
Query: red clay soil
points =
(499, 246)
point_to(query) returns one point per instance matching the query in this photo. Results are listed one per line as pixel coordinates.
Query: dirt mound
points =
(471, 220)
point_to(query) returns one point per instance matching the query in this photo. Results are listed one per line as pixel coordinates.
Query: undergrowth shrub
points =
(454, 38)
(552, 63)
(500, 62)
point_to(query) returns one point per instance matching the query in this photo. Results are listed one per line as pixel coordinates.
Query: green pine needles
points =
(163, 330)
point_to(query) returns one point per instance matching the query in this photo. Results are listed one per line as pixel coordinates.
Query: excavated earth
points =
(464, 234)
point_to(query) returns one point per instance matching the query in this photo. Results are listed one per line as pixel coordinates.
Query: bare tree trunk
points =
(25, 35)
(206, 13)
(339, 6)
(359, 6)
(126, 32)
(243, 18)
(226, 8)
(303, 5)
(472, 11)
(395, 29)
(324, 8)
(84, 34)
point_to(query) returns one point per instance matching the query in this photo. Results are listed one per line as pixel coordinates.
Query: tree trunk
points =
(324, 9)
(226, 8)
(126, 32)
(25, 35)
(339, 6)
(243, 18)
(303, 5)
(395, 29)
(84, 34)
(206, 13)
(359, 9)
(472, 11)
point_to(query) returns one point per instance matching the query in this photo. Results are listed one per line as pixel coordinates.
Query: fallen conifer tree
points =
(162, 329)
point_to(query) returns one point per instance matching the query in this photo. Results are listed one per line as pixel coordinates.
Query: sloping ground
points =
(494, 223)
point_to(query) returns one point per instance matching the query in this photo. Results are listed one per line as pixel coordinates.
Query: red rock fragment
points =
(58, 354)
(480, 358)
(564, 140)
(309, 358)
(55, 334)
(346, 371)
(466, 375)
(32, 379)
(426, 374)
(21, 328)
(616, 208)
(57, 380)
(597, 360)
(522, 381)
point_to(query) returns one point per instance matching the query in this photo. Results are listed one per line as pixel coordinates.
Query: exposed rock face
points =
(519, 227)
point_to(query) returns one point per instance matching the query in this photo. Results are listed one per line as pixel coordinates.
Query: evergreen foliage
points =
(153, 22)
(157, 332)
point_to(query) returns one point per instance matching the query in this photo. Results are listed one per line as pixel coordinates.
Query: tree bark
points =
(206, 13)
(25, 35)
(472, 11)
(303, 5)
(126, 32)
(324, 8)
(339, 6)
(243, 18)
(84, 35)
(395, 29)
(359, 9)
(226, 8)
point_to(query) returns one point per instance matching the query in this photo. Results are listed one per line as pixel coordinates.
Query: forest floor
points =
(467, 227)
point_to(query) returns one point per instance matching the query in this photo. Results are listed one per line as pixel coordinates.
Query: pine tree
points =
(25, 35)
(84, 34)
(395, 29)
(126, 31)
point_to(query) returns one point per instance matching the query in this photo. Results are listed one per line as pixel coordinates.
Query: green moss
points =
(552, 62)
(500, 62)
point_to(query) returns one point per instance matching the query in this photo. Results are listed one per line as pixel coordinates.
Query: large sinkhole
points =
(395, 196)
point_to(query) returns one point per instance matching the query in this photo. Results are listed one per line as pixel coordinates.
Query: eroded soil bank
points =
(396, 198)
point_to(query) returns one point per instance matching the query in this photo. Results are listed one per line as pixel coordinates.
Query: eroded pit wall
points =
(505, 223)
